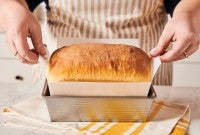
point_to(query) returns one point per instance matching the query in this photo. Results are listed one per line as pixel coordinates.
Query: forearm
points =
(6, 8)
(190, 8)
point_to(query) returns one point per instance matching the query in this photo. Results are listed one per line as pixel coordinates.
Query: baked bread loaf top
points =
(98, 62)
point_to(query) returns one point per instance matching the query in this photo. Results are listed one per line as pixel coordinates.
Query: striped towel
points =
(164, 118)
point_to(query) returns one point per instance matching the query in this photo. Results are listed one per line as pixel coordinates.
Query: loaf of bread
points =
(98, 62)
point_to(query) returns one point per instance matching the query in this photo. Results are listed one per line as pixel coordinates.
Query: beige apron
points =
(138, 19)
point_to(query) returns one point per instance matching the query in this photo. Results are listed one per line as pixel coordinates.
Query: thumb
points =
(36, 38)
(163, 42)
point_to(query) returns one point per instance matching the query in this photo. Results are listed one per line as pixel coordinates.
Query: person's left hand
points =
(182, 32)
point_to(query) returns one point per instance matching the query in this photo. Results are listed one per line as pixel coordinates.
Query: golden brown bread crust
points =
(99, 62)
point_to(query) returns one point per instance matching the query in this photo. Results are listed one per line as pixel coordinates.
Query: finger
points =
(36, 37)
(190, 50)
(163, 42)
(185, 52)
(185, 42)
(193, 47)
(11, 45)
(22, 60)
(14, 51)
(179, 47)
(24, 51)
(171, 55)
(34, 51)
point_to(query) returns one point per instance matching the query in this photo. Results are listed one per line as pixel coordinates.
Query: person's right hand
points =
(19, 23)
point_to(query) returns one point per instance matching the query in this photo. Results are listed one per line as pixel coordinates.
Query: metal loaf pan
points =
(98, 108)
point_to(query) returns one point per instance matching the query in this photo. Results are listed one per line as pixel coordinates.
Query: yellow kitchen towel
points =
(164, 118)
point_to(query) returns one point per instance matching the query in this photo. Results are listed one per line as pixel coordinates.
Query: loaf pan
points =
(98, 108)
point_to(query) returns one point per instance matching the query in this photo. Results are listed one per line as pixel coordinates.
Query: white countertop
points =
(12, 93)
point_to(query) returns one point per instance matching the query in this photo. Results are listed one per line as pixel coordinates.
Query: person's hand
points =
(185, 37)
(19, 23)
(183, 30)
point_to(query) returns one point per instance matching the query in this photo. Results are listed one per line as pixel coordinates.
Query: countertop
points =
(12, 93)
